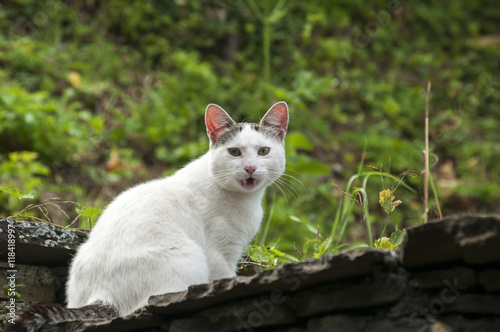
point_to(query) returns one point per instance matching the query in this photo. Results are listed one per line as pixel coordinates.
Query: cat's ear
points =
(277, 118)
(216, 120)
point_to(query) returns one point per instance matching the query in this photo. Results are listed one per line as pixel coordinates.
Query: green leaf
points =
(311, 228)
(325, 245)
(393, 242)
(17, 193)
(299, 141)
(398, 237)
(277, 252)
(7, 289)
(12, 191)
(384, 243)
(291, 258)
(28, 196)
(306, 164)
(89, 211)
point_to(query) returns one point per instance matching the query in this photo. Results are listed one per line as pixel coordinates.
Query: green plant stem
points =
(341, 219)
(267, 21)
(385, 226)
(266, 48)
(366, 213)
(434, 191)
(267, 225)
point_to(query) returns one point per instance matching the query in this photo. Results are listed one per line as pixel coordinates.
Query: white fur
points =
(165, 235)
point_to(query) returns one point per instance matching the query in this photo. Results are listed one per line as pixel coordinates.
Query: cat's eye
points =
(235, 152)
(264, 151)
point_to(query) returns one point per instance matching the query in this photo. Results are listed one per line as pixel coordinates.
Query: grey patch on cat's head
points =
(268, 131)
(230, 132)
(227, 134)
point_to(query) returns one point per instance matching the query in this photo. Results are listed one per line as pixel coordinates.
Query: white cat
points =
(190, 228)
(165, 235)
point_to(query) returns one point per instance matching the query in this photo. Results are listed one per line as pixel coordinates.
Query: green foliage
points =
(90, 212)
(297, 161)
(321, 247)
(122, 164)
(7, 289)
(391, 243)
(266, 257)
(360, 195)
(23, 168)
(387, 200)
(59, 130)
(17, 193)
(27, 213)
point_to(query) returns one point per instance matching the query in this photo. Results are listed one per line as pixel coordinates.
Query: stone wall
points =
(446, 277)
(42, 255)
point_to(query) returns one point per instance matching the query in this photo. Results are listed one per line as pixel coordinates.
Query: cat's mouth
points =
(250, 182)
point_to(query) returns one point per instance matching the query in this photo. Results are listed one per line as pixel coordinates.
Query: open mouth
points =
(250, 182)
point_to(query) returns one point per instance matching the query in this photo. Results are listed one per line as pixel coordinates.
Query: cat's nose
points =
(250, 169)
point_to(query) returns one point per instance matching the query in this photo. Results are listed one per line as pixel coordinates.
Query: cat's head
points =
(246, 157)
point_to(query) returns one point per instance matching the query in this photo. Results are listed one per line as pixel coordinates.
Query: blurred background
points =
(96, 96)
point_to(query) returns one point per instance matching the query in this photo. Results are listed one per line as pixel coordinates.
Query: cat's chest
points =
(233, 211)
(232, 217)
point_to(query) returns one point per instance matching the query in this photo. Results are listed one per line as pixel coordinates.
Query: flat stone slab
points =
(434, 278)
(40, 283)
(337, 297)
(469, 239)
(490, 280)
(285, 278)
(39, 243)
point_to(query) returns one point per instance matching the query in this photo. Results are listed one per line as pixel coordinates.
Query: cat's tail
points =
(34, 317)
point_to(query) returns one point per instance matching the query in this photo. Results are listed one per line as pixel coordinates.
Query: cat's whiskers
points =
(222, 178)
(284, 195)
(288, 178)
(273, 178)
(291, 177)
(285, 183)
(282, 182)
(288, 187)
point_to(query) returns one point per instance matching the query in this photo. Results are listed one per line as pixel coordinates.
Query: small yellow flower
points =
(387, 200)
(75, 79)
